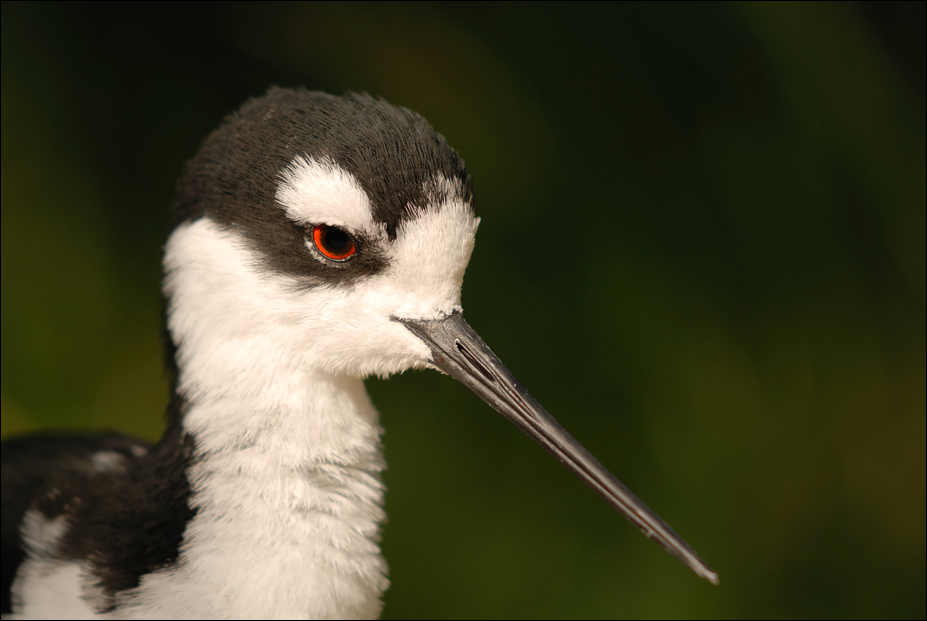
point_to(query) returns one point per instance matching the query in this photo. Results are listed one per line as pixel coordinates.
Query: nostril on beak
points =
(474, 362)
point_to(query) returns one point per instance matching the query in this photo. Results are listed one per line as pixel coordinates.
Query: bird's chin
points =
(384, 367)
(414, 365)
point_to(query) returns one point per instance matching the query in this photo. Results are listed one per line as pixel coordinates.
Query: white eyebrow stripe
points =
(318, 191)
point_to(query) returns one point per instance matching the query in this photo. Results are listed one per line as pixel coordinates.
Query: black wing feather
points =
(34, 464)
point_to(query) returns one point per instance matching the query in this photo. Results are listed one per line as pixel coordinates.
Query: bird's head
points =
(322, 234)
(309, 227)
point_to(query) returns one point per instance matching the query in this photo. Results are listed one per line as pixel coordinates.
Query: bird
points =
(316, 240)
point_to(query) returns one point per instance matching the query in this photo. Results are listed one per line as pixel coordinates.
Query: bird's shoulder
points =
(48, 475)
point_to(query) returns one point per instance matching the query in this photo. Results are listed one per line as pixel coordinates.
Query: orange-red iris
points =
(333, 242)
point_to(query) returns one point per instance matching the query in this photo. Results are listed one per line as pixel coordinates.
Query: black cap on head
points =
(394, 154)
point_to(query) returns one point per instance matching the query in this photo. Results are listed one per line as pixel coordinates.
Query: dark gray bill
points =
(461, 353)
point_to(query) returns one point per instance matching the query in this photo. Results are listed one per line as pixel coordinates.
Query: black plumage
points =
(393, 153)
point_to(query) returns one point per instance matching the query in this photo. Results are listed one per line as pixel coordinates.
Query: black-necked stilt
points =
(317, 240)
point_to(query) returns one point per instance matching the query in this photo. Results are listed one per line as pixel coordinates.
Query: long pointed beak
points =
(461, 353)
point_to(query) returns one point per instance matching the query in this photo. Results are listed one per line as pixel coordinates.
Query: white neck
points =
(289, 505)
(286, 471)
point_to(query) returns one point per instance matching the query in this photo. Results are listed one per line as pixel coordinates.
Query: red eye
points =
(333, 243)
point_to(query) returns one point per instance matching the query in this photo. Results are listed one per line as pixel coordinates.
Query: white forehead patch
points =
(318, 191)
(429, 257)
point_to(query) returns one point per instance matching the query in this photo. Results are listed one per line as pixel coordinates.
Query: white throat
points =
(286, 471)
(289, 506)
(285, 478)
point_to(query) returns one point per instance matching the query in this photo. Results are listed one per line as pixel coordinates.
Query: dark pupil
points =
(336, 241)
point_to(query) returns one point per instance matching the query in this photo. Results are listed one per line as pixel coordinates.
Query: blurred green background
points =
(702, 248)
